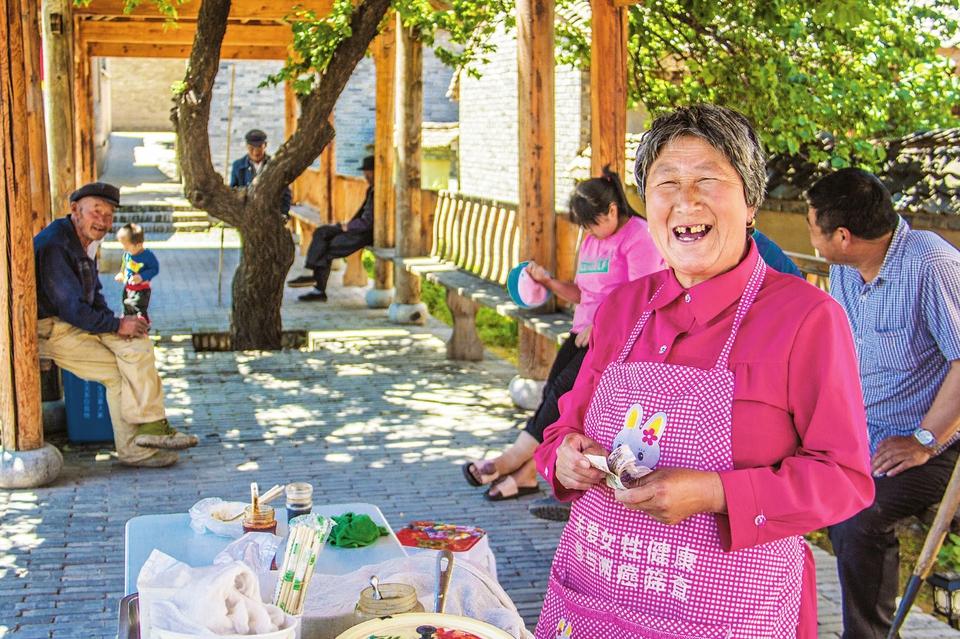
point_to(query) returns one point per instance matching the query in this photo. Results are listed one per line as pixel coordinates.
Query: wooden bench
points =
(475, 243)
(305, 220)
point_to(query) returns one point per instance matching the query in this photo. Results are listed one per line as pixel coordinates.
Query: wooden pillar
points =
(85, 127)
(383, 204)
(535, 84)
(39, 177)
(20, 414)
(58, 60)
(328, 174)
(409, 119)
(290, 113)
(608, 86)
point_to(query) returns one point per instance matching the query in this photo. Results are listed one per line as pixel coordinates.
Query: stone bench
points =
(305, 219)
(475, 244)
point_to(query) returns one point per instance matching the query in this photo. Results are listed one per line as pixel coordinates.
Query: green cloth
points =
(355, 531)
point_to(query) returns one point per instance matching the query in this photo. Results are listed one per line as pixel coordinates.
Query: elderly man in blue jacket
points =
(78, 331)
(244, 170)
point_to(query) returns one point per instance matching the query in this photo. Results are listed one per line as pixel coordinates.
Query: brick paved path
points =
(375, 413)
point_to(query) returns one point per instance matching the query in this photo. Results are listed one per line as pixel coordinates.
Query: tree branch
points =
(300, 150)
(203, 186)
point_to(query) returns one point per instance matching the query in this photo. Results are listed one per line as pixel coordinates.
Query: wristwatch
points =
(925, 437)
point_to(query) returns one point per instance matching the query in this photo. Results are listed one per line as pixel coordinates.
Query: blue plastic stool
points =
(88, 419)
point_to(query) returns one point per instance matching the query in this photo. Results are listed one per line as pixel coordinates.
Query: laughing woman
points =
(737, 385)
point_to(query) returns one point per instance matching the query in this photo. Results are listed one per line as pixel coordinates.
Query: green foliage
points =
(949, 556)
(315, 40)
(435, 297)
(824, 79)
(827, 80)
(467, 27)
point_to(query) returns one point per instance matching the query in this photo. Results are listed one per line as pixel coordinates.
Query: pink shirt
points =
(605, 264)
(800, 451)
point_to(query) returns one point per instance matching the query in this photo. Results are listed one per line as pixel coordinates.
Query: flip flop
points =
(484, 479)
(509, 489)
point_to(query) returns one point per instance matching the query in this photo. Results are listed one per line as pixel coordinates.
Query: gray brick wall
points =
(355, 115)
(253, 108)
(488, 126)
(141, 92)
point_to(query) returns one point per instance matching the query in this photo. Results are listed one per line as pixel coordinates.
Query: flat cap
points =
(255, 137)
(102, 190)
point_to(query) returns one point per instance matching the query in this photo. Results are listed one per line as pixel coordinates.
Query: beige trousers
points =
(126, 367)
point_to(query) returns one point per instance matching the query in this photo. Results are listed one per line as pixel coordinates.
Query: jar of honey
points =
(260, 520)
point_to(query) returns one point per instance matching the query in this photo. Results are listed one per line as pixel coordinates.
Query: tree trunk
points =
(265, 258)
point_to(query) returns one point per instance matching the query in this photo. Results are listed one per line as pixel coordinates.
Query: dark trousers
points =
(867, 549)
(562, 375)
(328, 243)
(136, 302)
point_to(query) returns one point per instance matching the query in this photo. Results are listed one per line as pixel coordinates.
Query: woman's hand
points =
(582, 339)
(670, 495)
(538, 273)
(573, 468)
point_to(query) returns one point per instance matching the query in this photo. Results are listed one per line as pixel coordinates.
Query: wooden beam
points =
(85, 126)
(535, 117)
(290, 112)
(58, 64)
(409, 122)
(21, 426)
(239, 9)
(37, 146)
(183, 32)
(608, 86)
(182, 51)
(384, 57)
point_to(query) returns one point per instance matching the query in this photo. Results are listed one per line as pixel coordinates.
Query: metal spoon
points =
(375, 582)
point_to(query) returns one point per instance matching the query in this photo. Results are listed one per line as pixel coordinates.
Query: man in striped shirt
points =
(901, 291)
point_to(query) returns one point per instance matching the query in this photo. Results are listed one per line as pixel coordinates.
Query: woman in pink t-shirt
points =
(616, 249)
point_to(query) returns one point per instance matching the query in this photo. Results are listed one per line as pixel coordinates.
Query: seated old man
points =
(82, 335)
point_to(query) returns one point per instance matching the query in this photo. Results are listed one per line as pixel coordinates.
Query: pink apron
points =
(617, 572)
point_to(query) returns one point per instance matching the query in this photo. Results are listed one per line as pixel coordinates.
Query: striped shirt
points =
(906, 327)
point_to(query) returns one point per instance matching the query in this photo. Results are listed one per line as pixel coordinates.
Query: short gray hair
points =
(724, 129)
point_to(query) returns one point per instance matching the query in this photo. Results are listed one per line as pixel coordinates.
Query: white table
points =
(172, 535)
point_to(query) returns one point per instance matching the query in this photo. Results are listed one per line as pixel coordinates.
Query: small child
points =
(138, 266)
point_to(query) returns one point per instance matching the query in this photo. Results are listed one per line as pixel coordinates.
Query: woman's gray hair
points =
(724, 129)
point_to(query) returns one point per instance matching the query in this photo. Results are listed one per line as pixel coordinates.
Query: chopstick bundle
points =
(308, 534)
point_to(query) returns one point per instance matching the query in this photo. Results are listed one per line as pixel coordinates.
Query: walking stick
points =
(226, 165)
(931, 546)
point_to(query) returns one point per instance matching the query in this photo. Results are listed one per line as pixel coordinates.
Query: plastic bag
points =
(211, 514)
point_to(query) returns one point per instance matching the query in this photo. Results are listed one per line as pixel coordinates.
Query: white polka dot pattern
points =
(620, 574)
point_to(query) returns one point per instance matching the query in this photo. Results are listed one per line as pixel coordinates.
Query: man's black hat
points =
(367, 163)
(255, 137)
(102, 190)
